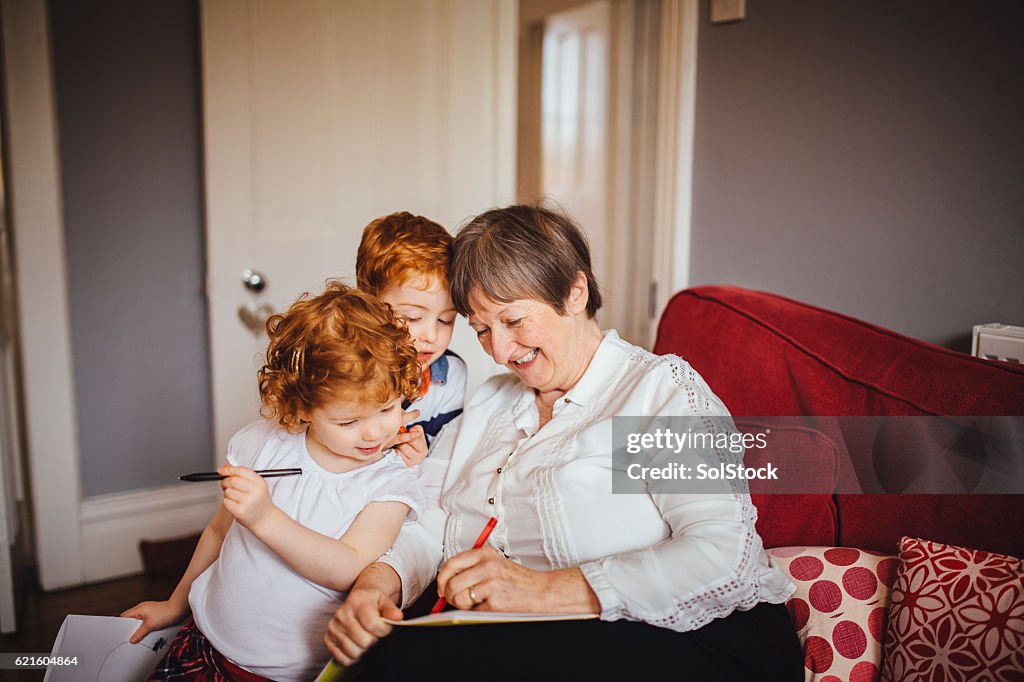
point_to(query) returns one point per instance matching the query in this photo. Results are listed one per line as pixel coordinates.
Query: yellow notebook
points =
(332, 672)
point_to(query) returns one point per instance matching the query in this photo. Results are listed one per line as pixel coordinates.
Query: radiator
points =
(998, 342)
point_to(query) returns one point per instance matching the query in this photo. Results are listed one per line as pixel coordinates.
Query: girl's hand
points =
(246, 495)
(484, 580)
(155, 615)
(411, 446)
(357, 624)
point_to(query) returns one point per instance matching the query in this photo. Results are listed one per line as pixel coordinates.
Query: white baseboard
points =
(112, 525)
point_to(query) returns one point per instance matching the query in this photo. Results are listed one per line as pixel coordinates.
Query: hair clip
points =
(298, 361)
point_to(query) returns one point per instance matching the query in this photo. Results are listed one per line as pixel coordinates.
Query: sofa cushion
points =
(765, 355)
(839, 609)
(878, 522)
(783, 520)
(956, 614)
(807, 461)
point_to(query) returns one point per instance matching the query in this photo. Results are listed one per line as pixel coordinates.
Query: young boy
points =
(404, 260)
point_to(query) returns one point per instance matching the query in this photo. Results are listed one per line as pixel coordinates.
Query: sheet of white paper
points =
(101, 646)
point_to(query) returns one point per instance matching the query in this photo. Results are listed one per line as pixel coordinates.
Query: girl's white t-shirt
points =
(256, 610)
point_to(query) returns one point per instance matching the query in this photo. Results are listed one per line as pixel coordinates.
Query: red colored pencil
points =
(439, 606)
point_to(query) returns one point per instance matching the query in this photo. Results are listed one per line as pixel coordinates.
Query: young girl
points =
(271, 566)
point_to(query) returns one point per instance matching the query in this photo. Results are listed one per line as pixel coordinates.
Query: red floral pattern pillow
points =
(839, 609)
(956, 614)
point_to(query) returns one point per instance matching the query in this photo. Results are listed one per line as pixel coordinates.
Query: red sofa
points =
(765, 355)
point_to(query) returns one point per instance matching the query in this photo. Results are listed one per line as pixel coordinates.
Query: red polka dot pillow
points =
(839, 609)
(956, 614)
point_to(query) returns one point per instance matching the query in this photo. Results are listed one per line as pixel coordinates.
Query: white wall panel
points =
(320, 116)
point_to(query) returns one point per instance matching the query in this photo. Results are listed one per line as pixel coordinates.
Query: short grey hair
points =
(521, 252)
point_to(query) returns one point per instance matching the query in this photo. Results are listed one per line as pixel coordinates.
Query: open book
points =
(487, 617)
(335, 672)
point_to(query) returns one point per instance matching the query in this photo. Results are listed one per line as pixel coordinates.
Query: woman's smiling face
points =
(546, 350)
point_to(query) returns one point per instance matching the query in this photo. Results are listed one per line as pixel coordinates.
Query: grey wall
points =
(128, 106)
(867, 157)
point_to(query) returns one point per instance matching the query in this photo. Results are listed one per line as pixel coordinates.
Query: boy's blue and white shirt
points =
(445, 396)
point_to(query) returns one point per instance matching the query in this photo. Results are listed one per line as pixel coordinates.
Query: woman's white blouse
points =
(672, 560)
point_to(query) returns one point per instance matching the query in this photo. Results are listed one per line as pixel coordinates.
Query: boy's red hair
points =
(402, 248)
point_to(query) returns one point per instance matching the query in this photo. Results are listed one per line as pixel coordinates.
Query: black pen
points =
(214, 476)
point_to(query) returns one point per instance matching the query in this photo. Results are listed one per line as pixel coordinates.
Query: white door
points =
(320, 116)
(575, 136)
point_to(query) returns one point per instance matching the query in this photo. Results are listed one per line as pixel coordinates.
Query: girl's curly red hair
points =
(342, 344)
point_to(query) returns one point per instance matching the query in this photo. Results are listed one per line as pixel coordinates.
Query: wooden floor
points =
(40, 614)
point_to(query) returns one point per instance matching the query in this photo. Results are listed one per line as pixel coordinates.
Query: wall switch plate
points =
(723, 11)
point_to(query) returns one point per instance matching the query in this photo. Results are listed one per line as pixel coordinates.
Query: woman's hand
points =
(484, 580)
(246, 495)
(357, 624)
(155, 615)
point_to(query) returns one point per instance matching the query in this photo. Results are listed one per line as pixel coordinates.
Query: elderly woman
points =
(680, 581)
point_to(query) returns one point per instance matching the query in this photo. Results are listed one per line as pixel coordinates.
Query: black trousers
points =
(756, 645)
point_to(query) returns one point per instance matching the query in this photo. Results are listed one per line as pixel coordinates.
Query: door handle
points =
(254, 316)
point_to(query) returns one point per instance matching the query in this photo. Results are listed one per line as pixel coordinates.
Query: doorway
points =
(588, 98)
